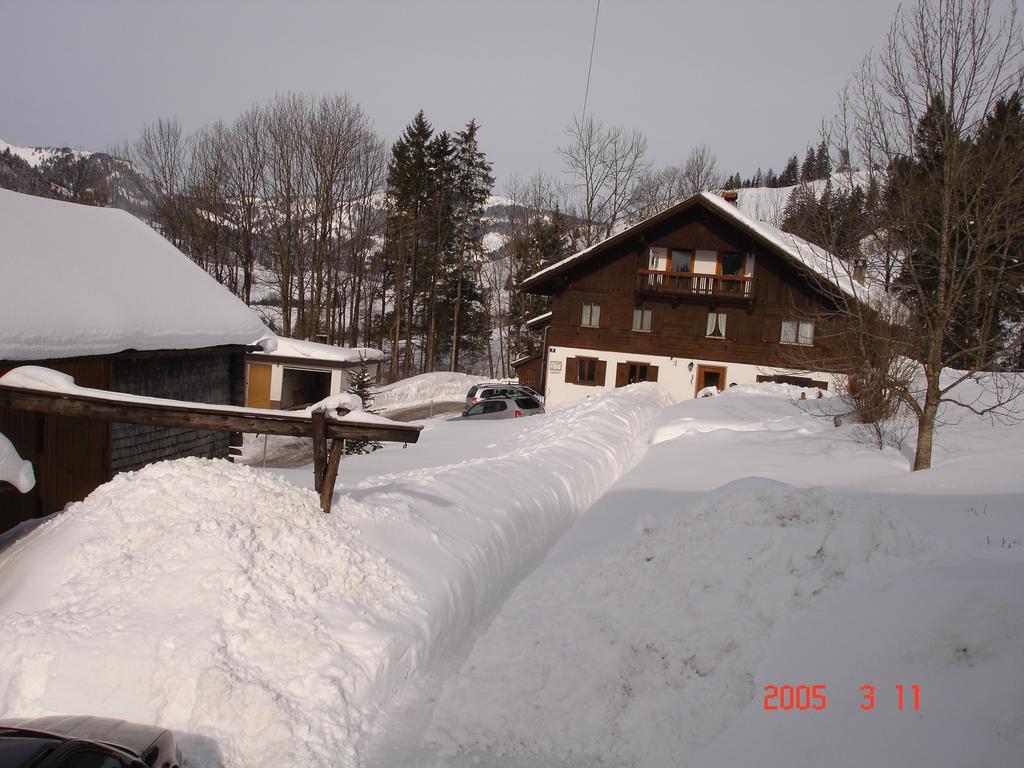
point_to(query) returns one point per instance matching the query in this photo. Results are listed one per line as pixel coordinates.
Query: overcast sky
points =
(751, 78)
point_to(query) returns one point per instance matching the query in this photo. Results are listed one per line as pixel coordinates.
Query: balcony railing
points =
(653, 281)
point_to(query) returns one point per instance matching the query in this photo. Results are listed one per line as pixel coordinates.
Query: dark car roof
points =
(131, 736)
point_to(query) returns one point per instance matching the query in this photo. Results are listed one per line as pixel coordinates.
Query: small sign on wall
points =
(556, 366)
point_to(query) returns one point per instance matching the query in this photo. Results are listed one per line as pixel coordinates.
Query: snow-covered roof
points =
(543, 317)
(77, 280)
(802, 252)
(316, 352)
(525, 358)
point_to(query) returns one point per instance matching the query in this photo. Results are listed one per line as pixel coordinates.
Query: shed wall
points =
(215, 377)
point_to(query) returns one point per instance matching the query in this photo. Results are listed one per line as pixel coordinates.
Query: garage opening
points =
(300, 388)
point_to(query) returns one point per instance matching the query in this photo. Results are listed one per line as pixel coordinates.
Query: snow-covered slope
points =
(36, 156)
(768, 204)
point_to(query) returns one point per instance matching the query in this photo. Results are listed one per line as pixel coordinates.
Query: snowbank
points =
(14, 469)
(217, 600)
(424, 389)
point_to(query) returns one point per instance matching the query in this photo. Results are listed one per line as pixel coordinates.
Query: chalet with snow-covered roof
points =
(697, 296)
(97, 294)
(298, 373)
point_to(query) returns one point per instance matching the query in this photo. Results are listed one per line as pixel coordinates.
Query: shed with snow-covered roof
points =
(697, 296)
(98, 294)
(297, 373)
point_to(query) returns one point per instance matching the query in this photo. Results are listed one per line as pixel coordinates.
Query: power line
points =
(590, 65)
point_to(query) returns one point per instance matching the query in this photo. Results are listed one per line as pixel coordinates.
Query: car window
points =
(527, 402)
(475, 410)
(494, 406)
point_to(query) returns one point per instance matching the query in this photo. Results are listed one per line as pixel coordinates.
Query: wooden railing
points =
(695, 284)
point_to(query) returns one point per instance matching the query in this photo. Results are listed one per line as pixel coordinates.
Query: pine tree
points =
(405, 246)
(822, 161)
(790, 175)
(359, 383)
(809, 169)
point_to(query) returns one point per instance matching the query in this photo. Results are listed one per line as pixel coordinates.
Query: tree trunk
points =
(926, 421)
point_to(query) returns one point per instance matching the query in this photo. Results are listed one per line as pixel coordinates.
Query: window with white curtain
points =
(716, 325)
(591, 316)
(797, 332)
(642, 319)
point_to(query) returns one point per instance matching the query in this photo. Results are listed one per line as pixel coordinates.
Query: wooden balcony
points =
(652, 282)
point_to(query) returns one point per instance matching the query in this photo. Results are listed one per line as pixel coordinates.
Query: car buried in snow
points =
(491, 390)
(504, 408)
(85, 742)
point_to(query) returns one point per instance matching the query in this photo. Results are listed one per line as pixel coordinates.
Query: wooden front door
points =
(710, 376)
(257, 394)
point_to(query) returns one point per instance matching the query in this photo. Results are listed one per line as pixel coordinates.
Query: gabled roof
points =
(804, 254)
(77, 280)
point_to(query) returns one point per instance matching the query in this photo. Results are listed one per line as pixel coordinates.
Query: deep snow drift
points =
(649, 634)
(424, 389)
(219, 601)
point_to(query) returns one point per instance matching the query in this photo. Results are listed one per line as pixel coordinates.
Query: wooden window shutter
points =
(731, 323)
(602, 370)
(700, 326)
(652, 373)
(571, 370)
(770, 330)
(621, 374)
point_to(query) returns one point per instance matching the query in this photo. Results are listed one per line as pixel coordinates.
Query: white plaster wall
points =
(674, 373)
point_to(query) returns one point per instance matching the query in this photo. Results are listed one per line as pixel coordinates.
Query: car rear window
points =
(527, 402)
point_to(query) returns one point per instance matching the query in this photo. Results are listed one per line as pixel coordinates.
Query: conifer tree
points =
(359, 383)
(791, 174)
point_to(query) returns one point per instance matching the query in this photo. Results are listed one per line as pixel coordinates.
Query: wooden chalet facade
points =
(98, 295)
(697, 296)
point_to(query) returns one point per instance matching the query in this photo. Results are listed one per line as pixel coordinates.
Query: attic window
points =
(591, 316)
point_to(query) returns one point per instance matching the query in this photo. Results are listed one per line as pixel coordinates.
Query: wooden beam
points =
(331, 475)
(207, 418)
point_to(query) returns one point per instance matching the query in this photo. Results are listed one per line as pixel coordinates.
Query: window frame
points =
(587, 315)
(581, 363)
(645, 312)
(798, 326)
(721, 323)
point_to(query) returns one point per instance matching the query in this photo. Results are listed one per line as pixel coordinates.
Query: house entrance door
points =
(710, 376)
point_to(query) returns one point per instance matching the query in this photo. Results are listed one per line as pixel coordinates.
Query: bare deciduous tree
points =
(954, 192)
(607, 164)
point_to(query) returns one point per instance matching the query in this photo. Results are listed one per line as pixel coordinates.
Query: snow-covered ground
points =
(458, 607)
(754, 546)
(219, 601)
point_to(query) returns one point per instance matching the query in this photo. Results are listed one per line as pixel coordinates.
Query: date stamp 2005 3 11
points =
(802, 698)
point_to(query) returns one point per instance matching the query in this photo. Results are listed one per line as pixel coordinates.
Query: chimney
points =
(731, 196)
